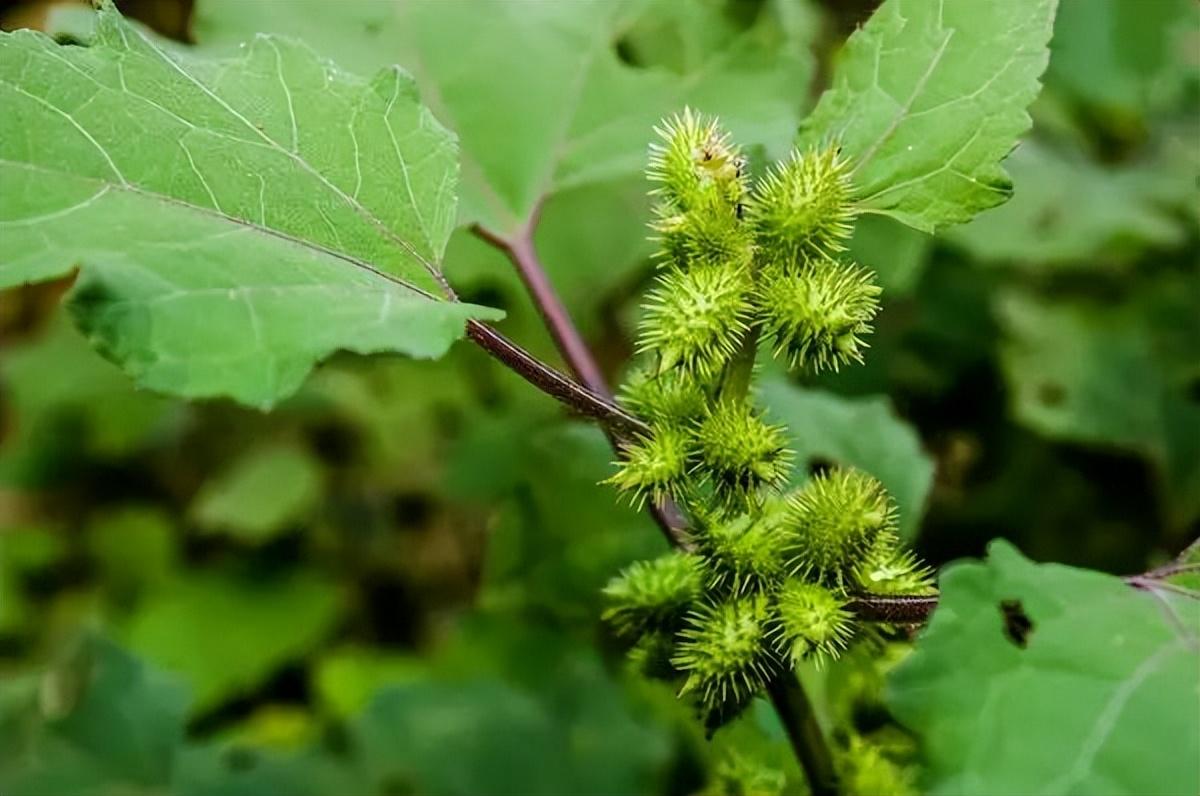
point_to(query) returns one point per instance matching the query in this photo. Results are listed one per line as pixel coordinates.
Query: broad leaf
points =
(1042, 678)
(237, 220)
(929, 97)
(100, 723)
(828, 429)
(554, 106)
(1104, 375)
(1124, 57)
(1072, 213)
(260, 493)
(225, 635)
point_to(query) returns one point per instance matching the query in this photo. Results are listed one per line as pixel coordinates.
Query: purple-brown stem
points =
(520, 250)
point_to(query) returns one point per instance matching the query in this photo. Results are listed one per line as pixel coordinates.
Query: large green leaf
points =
(1067, 212)
(824, 428)
(1112, 375)
(553, 106)
(100, 723)
(237, 219)
(1124, 57)
(224, 635)
(928, 97)
(1042, 678)
(71, 406)
(260, 493)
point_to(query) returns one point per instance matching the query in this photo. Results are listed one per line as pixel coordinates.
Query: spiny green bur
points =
(653, 595)
(770, 576)
(725, 650)
(834, 522)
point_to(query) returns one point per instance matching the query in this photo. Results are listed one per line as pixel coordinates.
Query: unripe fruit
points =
(652, 596)
(813, 622)
(656, 466)
(890, 569)
(695, 162)
(724, 651)
(743, 555)
(740, 453)
(710, 234)
(695, 319)
(834, 522)
(819, 314)
(803, 205)
(670, 398)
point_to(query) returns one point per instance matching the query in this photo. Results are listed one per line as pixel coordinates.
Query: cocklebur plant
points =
(766, 580)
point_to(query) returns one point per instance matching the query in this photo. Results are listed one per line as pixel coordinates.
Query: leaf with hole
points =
(1096, 679)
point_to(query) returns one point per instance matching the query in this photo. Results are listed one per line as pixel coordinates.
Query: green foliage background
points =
(391, 583)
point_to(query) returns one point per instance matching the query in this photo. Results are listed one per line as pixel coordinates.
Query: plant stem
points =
(867, 607)
(787, 694)
(558, 321)
(578, 356)
(553, 383)
(796, 712)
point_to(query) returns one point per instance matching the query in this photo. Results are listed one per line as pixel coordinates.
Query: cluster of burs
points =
(767, 577)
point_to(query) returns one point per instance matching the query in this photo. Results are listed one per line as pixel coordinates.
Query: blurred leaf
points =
(403, 429)
(346, 679)
(225, 635)
(1071, 213)
(898, 254)
(928, 98)
(22, 551)
(237, 220)
(1099, 374)
(1124, 56)
(1097, 680)
(67, 402)
(101, 723)
(260, 494)
(828, 429)
(134, 548)
(238, 769)
(575, 734)
(561, 533)
(560, 110)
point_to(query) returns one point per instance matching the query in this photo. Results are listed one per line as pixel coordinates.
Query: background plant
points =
(1061, 300)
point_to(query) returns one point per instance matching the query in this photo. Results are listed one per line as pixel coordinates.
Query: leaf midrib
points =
(108, 186)
(267, 140)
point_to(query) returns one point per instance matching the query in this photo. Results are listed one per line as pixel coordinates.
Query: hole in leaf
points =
(624, 51)
(1017, 625)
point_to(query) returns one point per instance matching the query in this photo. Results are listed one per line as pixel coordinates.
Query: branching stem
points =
(616, 422)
